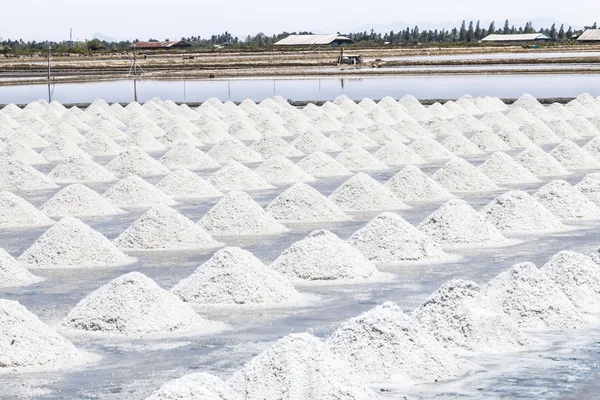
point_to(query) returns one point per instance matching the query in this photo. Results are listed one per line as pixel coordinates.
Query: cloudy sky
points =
(47, 19)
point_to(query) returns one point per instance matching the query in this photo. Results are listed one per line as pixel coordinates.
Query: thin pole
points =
(49, 53)
(134, 61)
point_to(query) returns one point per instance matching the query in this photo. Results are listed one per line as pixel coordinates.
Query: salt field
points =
(360, 249)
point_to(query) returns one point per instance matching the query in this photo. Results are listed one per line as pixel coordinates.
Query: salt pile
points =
(388, 238)
(412, 184)
(162, 228)
(60, 148)
(278, 170)
(359, 120)
(457, 223)
(18, 176)
(429, 149)
(26, 342)
(324, 122)
(195, 386)
(584, 127)
(387, 346)
(135, 161)
(397, 153)
(363, 193)
(185, 184)
(501, 169)
(134, 192)
(233, 276)
(562, 128)
(350, 136)
(415, 108)
(438, 111)
(453, 316)
(134, 305)
(70, 243)
(299, 367)
(184, 155)
(66, 132)
(302, 203)
(458, 175)
(322, 256)
(175, 134)
(383, 134)
(441, 128)
(517, 211)
(235, 176)
(313, 140)
(98, 144)
(539, 162)
(578, 276)
(228, 150)
(412, 130)
(572, 156)
(530, 298)
(461, 146)
(538, 132)
(560, 111)
(321, 165)
(578, 109)
(590, 187)
(17, 212)
(142, 139)
(356, 158)
(238, 214)
(78, 201)
(270, 146)
(142, 128)
(497, 121)
(13, 274)
(566, 202)
(468, 125)
(80, 169)
(212, 132)
(243, 130)
(593, 147)
(20, 151)
(488, 141)
(27, 137)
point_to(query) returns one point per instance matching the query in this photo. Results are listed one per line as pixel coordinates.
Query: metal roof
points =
(160, 45)
(520, 37)
(590, 35)
(305, 40)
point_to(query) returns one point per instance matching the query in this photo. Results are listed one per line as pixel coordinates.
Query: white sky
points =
(122, 19)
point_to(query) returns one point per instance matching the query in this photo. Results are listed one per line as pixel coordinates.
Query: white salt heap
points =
(452, 315)
(572, 156)
(228, 150)
(184, 155)
(271, 145)
(488, 141)
(20, 151)
(355, 158)
(322, 256)
(70, 243)
(539, 162)
(13, 274)
(134, 192)
(80, 169)
(61, 148)
(412, 184)
(235, 176)
(17, 212)
(593, 147)
(134, 305)
(350, 136)
(243, 130)
(78, 201)
(501, 169)
(238, 214)
(197, 386)
(397, 153)
(458, 175)
(530, 298)
(584, 127)
(497, 120)
(514, 138)
(67, 132)
(313, 140)
(387, 346)
(184, 184)
(18, 176)
(590, 187)
(457, 223)
(233, 276)
(135, 161)
(302, 203)
(461, 146)
(321, 165)
(388, 238)
(99, 144)
(578, 276)
(566, 202)
(299, 367)
(383, 134)
(278, 170)
(517, 211)
(162, 228)
(430, 149)
(468, 124)
(363, 193)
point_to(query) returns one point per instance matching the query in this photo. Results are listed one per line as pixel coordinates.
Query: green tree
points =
(553, 33)
(462, 34)
(478, 33)
(506, 29)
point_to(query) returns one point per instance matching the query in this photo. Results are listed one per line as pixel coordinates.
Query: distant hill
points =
(103, 37)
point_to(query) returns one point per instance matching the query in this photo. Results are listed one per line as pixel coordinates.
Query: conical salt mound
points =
(142, 139)
(578, 276)
(321, 165)
(388, 238)
(299, 366)
(278, 170)
(302, 203)
(501, 169)
(134, 192)
(571, 156)
(195, 386)
(72, 244)
(584, 127)
(412, 184)
(530, 298)
(458, 175)
(134, 305)
(363, 193)
(356, 158)
(488, 141)
(67, 132)
(497, 120)
(61, 148)
(458, 322)
(17, 212)
(517, 211)
(457, 223)
(514, 138)
(235, 176)
(162, 228)
(383, 134)
(322, 256)
(350, 136)
(271, 145)
(238, 214)
(593, 147)
(387, 346)
(590, 187)
(98, 144)
(187, 185)
(26, 342)
(80, 169)
(566, 202)
(78, 201)
(20, 151)
(176, 134)
(430, 149)
(313, 140)
(234, 276)
(243, 130)
(540, 163)
(212, 132)
(228, 150)
(135, 161)
(19, 176)
(397, 153)
(13, 274)
(184, 155)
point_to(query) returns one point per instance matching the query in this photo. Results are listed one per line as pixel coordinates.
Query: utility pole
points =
(70, 37)
(49, 53)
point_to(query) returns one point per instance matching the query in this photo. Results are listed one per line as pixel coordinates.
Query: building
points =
(161, 45)
(516, 38)
(310, 40)
(589, 36)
